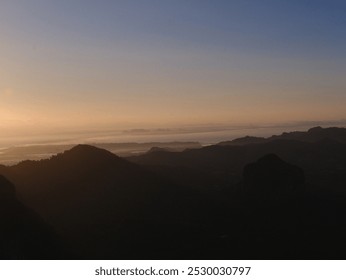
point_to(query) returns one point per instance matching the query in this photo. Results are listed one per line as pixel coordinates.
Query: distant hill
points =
(323, 160)
(164, 149)
(314, 134)
(244, 141)
(16, 154)
(128, 149)
(88, 193)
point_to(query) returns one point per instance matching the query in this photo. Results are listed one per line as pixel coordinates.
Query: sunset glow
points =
(125, 64)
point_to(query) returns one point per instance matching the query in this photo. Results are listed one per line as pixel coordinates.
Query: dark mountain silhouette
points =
(23, 234)
(281, 219)
(314, 134)
(244, 141)
(93, 198)
(128, 149)
(221, 165)
(15, 154)
(280, 199)
(277, 210)
(160, 149)
(271, 177)
(7, 190)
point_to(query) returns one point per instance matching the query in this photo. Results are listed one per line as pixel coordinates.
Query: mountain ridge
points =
(193, 203)
(88, 192)
(314, 134)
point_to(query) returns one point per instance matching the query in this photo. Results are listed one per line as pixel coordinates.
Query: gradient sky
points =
(81, 64)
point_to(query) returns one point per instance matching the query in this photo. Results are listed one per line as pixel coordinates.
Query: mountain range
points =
(314, 134)
(281, 197)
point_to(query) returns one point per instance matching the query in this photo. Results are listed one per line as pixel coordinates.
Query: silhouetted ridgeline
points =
(314, 134)
(253, 198)
(15, 154)
(93, 198)
(322, 160)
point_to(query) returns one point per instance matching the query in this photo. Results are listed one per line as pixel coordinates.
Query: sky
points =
(82, 65)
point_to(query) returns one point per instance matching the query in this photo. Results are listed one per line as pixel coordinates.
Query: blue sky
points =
(279, 26)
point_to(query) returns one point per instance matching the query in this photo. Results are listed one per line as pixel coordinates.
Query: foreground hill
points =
(92, 197)
(16, 154)
(281, 219)
(23, 234)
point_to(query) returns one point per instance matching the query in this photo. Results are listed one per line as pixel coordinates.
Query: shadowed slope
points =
(283, 220)
(272, 177)
(23, 234)
(92, 197)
